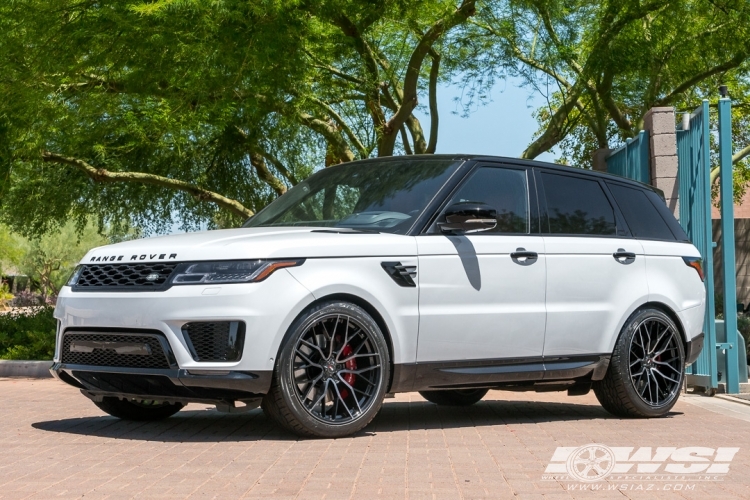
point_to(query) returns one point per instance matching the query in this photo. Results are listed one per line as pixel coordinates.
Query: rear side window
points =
(641, 215)
(505, 190)
(666, 214)
(577, 206)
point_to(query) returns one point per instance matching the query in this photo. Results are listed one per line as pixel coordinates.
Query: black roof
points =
(514, 161)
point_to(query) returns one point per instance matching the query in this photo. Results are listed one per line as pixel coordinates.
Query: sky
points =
(503, 127)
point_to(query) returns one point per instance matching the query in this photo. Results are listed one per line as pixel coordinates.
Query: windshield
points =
(383, 196)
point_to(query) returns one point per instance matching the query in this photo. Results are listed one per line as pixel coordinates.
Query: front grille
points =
(215, 340)
(145, 276)
(106, 355)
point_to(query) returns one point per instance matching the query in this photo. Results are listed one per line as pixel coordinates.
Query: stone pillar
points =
(598, 160)
(660, 123)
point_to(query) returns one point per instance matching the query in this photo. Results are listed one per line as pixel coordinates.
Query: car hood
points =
(255, 243)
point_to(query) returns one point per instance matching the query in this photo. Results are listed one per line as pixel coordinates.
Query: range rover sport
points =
(447, 275)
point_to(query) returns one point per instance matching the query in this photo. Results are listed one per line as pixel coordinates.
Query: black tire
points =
(133, 410)
(349, 348)
(624, 391)
(454, 397)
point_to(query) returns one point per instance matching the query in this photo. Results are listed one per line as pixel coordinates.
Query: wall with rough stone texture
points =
(660, 122)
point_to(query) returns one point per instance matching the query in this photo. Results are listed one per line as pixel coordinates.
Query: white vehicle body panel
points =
(589, 293)
(476, 302)
(253, 243)
(365, 279)
(670, 284)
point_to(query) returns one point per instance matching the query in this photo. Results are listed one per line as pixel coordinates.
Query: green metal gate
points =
(632, 159)
(694, 170)
(694, 167)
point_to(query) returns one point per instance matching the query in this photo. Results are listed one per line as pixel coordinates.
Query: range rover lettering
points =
(447, 275)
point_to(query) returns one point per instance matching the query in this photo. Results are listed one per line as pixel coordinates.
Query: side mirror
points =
(468, 217)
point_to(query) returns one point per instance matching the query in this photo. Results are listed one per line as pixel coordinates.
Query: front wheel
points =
(331, 375)
(646, 370)
(138, 410)
(455, 397)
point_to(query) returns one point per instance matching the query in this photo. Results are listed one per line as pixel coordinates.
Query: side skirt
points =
(542, 373)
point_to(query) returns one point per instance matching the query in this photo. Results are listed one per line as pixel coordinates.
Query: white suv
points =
(439, 274)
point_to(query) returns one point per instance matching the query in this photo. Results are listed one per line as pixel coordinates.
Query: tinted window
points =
(385, 196)
(666, 214)
(577, 206)
(503, 189)
(640, 214)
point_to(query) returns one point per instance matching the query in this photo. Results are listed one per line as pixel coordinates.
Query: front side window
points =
(577, 206)
(505, 190)
(385, 196)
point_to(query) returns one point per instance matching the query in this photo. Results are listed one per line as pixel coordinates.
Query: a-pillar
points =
(660, 123)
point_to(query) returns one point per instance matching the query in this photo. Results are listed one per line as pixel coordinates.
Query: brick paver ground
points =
(55, 444)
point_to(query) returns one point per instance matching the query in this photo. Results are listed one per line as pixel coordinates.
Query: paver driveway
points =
(56, 444)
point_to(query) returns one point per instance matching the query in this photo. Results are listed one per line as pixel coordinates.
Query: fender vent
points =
(401, 274)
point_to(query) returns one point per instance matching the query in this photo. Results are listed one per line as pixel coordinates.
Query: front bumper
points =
(266, 308)
(173, 385)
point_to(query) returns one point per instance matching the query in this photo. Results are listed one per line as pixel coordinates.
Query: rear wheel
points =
(138, 410)
(456, 397)
(646, 370)
(330, 378)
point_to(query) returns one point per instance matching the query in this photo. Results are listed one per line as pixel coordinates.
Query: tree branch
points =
(344, 126)
(413, 69)
(103, 175)
(280, 167)
(363, 48)
(731, 64)
(434, 117)
(259, 162)
(405, 140)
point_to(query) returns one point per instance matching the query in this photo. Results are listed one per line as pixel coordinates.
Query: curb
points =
(26, 369)
(727, 397)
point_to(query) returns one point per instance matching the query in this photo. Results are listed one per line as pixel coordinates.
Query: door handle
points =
(623, 257)
(522, 253)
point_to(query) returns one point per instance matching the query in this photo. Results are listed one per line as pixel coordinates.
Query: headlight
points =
(231, 271)
(74, 277)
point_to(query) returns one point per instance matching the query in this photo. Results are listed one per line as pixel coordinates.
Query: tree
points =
(603, 65)
(138, 111)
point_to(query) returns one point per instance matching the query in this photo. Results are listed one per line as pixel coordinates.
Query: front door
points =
(481, 297)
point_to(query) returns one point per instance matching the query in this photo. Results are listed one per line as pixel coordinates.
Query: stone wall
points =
(660, 122)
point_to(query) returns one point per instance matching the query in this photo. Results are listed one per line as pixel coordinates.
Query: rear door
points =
(664, 244)
(596, 271)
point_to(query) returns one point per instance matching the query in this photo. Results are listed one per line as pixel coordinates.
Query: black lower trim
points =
(168, 385)
(498, 372)
(693, 349)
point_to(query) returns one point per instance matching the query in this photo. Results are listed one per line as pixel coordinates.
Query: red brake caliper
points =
(350, 365)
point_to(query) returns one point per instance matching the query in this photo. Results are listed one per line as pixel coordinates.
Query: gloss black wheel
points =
(331, 374)
(647, 367)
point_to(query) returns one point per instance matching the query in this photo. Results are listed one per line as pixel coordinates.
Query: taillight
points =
(697, 264)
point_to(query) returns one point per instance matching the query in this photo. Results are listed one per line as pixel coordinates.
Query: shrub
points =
(28, 334)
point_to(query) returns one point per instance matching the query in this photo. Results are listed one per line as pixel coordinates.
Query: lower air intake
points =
(121, 350)
(215, 340)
